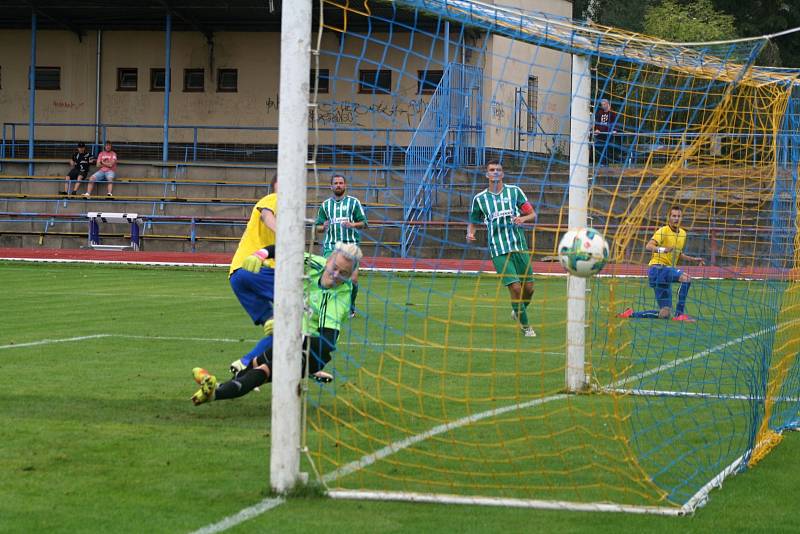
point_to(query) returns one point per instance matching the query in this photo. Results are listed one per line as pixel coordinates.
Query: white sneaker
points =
(85, 195)
(528, 331)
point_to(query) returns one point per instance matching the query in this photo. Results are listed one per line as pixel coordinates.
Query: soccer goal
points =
(440, 392)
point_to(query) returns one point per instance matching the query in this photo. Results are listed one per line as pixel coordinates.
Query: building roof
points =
(206, 16)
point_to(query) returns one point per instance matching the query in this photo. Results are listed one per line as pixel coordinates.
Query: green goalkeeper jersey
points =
(345, 209)
(325, 308)
(497, 211)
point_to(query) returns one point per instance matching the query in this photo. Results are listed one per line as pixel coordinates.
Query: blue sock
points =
(647, 314)
(264, 344)
(683, 292)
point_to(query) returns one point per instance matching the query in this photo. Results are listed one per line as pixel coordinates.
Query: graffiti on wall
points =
(357, 114)
(67, 105)
(273, 104)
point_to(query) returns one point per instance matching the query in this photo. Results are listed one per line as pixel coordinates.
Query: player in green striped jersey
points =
(504, 208)
(341, 217)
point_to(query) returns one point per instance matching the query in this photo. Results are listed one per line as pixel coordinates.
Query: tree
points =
(625, 14)
(764, 17)
(673, 20)
(697, 21)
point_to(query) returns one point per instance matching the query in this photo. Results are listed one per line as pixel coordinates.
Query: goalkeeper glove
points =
(254, 261)
(237, 367)
(269, 325)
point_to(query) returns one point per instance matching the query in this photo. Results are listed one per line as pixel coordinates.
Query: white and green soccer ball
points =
(583, 252)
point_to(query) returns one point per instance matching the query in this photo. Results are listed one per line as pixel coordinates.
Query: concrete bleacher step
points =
(196, 193)
(212, 191)
(13, 187)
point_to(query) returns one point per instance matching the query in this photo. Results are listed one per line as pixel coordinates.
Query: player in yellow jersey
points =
(667, 246)
(252, 270)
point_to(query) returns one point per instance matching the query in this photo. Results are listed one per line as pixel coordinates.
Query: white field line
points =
(183, 338)
(51, 341)
(693, 395)
(701, 496)
(398, 446)
(124, 336)
(269, 503)
(240, 517)
(118, 262)
(681, 361)
(366, 343)
(407, 442)
(139, 296)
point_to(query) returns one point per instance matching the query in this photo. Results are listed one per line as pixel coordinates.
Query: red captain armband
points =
(526, 208)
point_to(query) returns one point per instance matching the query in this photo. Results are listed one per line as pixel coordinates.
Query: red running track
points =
(399, 264)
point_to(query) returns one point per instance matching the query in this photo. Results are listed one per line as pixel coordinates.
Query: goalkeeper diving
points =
(327, 290)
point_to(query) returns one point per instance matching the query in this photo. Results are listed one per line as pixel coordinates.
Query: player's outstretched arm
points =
(696, 259)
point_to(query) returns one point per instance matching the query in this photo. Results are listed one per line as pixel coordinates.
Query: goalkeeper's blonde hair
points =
(351, 251)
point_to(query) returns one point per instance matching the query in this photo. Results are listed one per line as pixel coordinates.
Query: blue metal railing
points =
(193, 150)
(449, 135)
(423, 191)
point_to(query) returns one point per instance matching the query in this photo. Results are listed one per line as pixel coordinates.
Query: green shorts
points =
(514, 267)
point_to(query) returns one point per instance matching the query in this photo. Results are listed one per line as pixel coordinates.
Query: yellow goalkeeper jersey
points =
(256, 235)
(665, 237)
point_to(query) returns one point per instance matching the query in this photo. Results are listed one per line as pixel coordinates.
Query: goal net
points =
(438, 394)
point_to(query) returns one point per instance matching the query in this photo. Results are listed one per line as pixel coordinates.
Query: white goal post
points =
(580, 125)
(290, 244)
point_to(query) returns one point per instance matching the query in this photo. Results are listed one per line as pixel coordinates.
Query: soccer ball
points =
(583, 252)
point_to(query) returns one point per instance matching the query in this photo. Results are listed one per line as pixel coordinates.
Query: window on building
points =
(324, 80)
(47, 79)
(227, 80)
(375, 81)
(127, 79)
(158, 80)
(428, 81)
(194, 80)
(532, 102)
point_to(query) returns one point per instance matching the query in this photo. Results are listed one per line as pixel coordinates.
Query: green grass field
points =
(101, 435)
